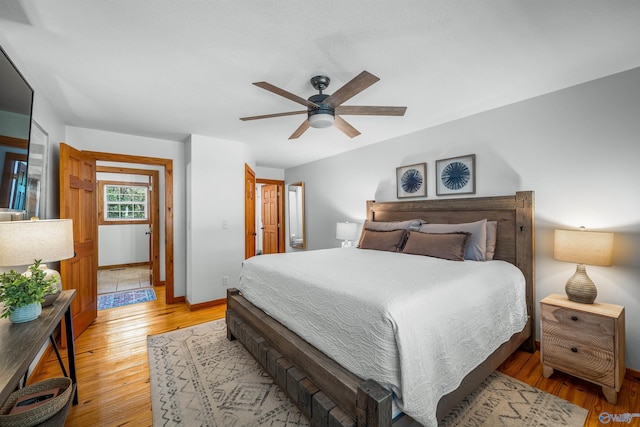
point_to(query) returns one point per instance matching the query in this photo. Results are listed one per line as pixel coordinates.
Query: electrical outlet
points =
(225, 280)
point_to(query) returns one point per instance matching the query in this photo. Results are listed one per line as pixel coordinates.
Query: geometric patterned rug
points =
(118, 299)
(504, 401)
(200, 378)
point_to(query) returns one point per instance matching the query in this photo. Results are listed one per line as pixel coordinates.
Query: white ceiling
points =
(170, 68)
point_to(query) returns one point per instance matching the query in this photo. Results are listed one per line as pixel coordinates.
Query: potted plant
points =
(22, 294)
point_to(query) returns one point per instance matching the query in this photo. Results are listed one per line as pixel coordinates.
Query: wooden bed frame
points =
(330, 395)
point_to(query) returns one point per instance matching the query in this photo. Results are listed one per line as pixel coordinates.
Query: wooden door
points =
(270, 219)
(14, 177)
(249, 212)
(78, 202)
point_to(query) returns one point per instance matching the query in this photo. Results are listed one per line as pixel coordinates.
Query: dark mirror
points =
(16, 100)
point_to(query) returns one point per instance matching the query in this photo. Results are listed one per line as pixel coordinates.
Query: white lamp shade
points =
(346, 230)
(583, 247)
(22, 242)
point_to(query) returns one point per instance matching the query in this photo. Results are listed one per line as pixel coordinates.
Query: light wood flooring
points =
(113, 374)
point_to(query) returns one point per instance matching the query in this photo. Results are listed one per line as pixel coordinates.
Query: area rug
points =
(504, 401)
(119, 299)
(198, 377)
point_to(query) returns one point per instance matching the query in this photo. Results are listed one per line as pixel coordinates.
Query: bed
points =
(330, 394)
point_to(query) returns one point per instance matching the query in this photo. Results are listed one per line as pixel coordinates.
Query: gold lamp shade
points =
(583, 247)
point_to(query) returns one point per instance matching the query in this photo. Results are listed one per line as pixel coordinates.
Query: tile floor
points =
(123, 279)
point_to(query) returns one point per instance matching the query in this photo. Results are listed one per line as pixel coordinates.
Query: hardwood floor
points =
(112, 365)
(113, 374)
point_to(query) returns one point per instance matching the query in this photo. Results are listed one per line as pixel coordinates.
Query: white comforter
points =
(415, 324)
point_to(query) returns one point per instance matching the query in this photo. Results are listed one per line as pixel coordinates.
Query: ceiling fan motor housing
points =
(323, 116)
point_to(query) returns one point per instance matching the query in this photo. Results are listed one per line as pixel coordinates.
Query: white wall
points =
(123, 244)
(111, 142)
(269, 173)
(215, 212)
(577, 148)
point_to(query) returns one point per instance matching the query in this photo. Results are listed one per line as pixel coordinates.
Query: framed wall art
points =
(456, 175)
(411, 181)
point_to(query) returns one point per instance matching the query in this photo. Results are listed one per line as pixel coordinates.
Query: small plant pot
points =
(26, 313)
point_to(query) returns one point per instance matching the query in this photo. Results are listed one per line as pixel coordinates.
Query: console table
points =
(21, 343)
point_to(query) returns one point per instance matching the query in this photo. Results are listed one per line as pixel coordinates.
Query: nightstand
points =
(584, 340)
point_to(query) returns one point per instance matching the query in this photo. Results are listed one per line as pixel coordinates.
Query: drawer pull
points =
(574, 318)
(574, 349)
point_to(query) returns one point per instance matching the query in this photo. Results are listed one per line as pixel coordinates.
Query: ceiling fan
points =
(324, 110)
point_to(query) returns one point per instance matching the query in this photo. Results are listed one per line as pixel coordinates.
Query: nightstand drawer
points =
(585, 361)
(578, 320)
(571, 336)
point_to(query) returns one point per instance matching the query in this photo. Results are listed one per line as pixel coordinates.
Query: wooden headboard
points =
(515, 241)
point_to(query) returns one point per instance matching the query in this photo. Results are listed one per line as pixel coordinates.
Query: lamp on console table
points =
(582, 247)
(23, 242)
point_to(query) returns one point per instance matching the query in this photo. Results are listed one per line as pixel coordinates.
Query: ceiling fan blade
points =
(359, 110)
(288, 95)
(351, 89)
(345, 127)
(268, 116)
(301, 129)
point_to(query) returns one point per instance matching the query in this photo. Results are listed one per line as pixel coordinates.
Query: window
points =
(124, 202)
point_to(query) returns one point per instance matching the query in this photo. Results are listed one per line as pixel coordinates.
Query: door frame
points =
(167, 164)
(249, 212)
(281, 217)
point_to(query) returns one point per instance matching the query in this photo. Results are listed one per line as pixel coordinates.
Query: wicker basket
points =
(40, 413)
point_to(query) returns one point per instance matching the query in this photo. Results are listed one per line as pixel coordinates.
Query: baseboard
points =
(632, 374)
(206, 304)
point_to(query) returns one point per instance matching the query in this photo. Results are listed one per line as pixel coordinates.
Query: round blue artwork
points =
(411, 180)
(455, 175)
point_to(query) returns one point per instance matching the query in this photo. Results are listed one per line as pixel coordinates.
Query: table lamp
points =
(346, 231)
(582, 247)
(23, 242)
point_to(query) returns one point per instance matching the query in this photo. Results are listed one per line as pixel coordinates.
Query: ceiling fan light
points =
(320, 121)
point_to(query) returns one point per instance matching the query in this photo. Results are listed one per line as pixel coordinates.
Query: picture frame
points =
(456, 175)
(411, 181)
